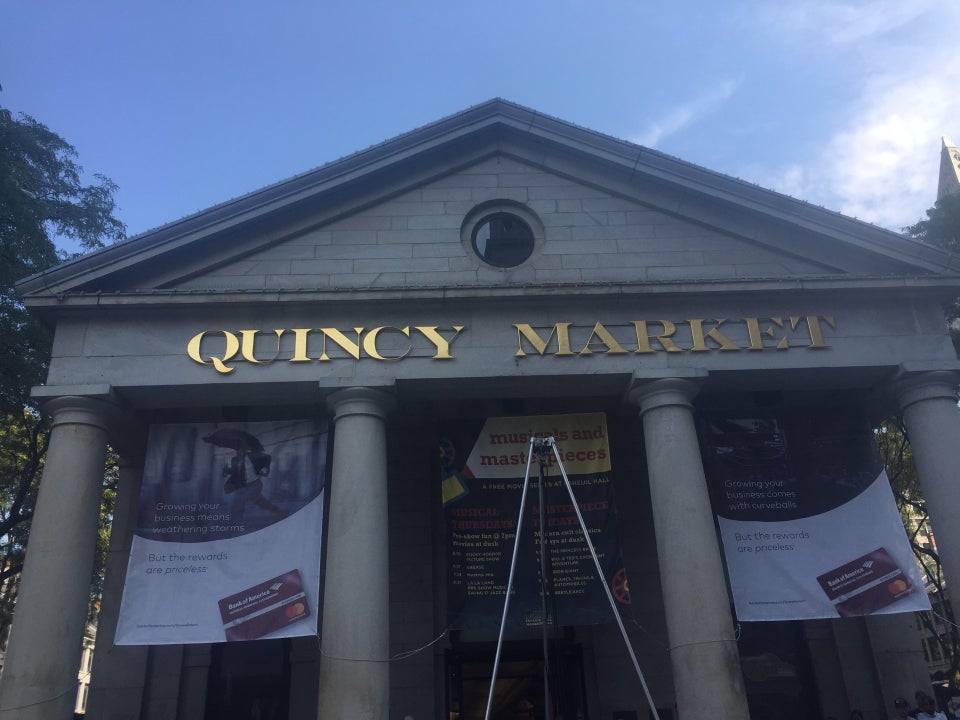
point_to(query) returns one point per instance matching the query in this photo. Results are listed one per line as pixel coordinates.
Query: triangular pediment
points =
(393, 217)
(419, 239)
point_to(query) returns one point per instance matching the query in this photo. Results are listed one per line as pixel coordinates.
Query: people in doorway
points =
(927, 708)
(901, 709)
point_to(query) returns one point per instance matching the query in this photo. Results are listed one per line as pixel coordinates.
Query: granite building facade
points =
(496, 262)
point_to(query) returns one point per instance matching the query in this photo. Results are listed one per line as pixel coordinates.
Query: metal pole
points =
(603, 581)
(513, 567)
(547, 706)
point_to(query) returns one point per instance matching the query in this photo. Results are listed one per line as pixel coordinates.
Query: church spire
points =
(949, 183)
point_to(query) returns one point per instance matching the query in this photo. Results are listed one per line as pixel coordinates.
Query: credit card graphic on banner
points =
(264, 608)
(227, 541)
(809, 525)
(482, 473)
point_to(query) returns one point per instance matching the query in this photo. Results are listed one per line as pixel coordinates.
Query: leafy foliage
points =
(897, 458)
(23, 442)
(42, 201)
(942, 228)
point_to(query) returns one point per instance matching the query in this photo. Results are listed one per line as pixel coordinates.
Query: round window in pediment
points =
(502, 233)
(503, 239)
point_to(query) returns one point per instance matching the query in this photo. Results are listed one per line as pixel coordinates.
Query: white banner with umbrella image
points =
(228, 534)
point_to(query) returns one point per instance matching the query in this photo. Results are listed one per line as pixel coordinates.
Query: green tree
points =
(43, 201)
(942, 228)
(897, 458)
(942, 225)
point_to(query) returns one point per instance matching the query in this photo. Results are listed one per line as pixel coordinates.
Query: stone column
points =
(827, 668)
(354, 672)
(194, 674)
(706, 665)
(898, 656)
(40, 674)
(929, 405)
(857, 666)
(304, 680)
(119, 671)
(161, 695)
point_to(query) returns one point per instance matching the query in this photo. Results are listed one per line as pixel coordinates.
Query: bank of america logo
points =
(868, 564)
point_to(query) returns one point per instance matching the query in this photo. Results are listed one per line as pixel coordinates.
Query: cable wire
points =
(404, 655)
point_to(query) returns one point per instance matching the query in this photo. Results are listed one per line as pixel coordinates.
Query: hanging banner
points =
(227, 542)
(809, 525)
(481, 489)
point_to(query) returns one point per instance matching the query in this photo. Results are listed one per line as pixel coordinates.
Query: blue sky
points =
(188, 104)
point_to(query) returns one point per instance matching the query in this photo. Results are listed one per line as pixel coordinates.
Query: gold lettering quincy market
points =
(357, 343)
(692, 335)
(223, 349)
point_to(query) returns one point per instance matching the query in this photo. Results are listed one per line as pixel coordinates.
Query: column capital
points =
(97, 406)
(911, 388)
(664, 392)
(360, 401)
(100, 412)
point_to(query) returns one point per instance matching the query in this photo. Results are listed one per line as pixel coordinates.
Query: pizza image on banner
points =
(482, 475)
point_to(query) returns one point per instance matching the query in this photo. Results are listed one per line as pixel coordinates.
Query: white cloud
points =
(881, 163)
(841, 22)
(677, 118)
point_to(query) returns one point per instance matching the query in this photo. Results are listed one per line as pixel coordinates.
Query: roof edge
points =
(941, 285)
(639, 159)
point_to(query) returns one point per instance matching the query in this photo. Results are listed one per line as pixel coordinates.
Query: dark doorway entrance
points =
(776, 671)
(519, 690)
(249, 680)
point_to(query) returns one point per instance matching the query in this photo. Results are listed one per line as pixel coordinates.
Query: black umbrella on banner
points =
(245, 446)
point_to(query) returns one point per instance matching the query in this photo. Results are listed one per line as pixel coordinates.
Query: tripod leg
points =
(603, 580)
(547, 707)
(513, 567)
